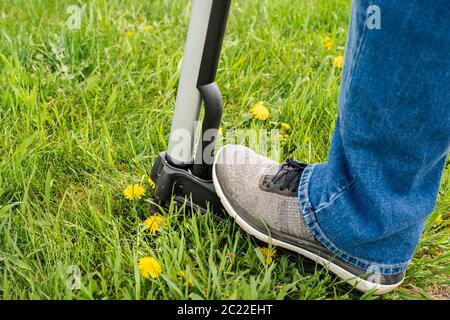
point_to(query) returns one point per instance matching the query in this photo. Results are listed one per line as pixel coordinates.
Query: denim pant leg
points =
(369, 201)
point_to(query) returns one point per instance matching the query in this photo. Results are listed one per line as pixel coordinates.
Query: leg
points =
(369, 202)
(362, 211)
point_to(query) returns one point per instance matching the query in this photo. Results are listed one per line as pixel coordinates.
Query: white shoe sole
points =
(359, 283)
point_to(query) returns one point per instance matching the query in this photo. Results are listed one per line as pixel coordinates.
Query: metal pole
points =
(188, 101)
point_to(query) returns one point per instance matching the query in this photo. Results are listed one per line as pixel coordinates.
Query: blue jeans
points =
(368, 203)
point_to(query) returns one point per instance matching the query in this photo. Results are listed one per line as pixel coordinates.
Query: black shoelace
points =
(288, 176)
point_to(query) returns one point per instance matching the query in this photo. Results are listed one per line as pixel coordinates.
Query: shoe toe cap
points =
(240, 168)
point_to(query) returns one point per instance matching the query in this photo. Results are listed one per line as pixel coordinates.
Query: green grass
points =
(84, 113)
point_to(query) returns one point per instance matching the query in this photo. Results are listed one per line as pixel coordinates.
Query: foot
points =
(262, 196)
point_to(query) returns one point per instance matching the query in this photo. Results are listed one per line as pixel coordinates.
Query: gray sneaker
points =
(261, 195)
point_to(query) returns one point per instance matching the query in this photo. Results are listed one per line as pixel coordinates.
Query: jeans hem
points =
(310, 218)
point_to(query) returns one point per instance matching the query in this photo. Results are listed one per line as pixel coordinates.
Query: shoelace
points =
(291, 172)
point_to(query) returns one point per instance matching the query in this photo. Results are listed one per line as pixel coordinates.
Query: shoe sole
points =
(359, 283)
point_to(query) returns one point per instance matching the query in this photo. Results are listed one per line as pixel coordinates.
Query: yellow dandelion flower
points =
(269, 254)
(339, 61)
(148, 27)
(260, 112)
(149, 267)
(130, 34)
(151, 183)
(439, 220)
(154, 222)
(328, 43)
(285, 126)
(134, 192)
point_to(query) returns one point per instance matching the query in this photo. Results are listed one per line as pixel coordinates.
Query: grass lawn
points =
(84, 113)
